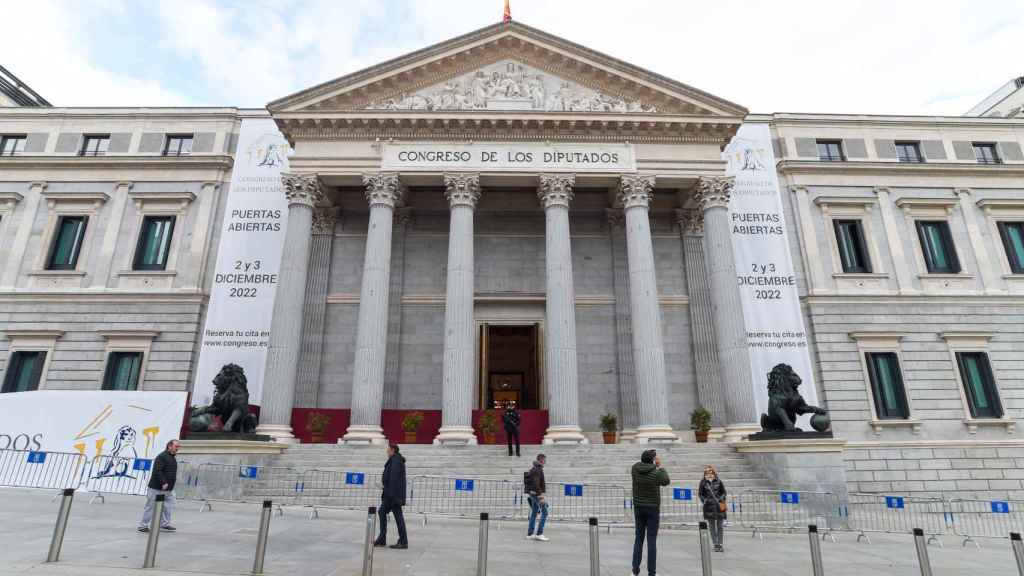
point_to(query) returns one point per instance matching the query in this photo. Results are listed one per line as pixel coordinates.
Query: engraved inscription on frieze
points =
(509, 85)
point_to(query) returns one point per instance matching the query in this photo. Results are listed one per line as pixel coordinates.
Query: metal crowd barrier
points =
(761, 510)
(343, 490)
(118, 475)
(985, 518)
(897, 515)
(50, 470)
(465, 497)
(578, 502)
(244, 483)
(681, 506)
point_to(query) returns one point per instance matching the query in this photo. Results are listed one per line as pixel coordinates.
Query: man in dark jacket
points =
(535, 490)
(392, 499)
(161, 481)
(511, 421)
(648, 478)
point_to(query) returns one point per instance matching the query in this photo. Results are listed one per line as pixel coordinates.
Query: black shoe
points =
(143, 529)
(399, 546)
(379, 544)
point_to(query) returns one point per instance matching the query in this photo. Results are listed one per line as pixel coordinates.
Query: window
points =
(23, 371)
(853, 252)
(909, 152)
(67, 243)
(123, 369)
(887, 385)
(986, 153)
(1012, 234)
(95, 145)
(12, 145)
(830, 150)
(178, 145)
(154, 243)
(979, 385)
(937, 247)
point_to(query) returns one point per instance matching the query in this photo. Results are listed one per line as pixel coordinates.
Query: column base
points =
(279, 432)
(564, 435)
(655, 435)
(455, 436)
(716, 434)
(363, 434)
(739, 432)
(627, 436)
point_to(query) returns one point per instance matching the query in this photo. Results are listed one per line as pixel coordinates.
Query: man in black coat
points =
(161, 481)
(511, 421)
(393, 498)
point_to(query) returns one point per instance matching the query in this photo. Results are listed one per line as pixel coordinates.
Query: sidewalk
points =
(101, 540)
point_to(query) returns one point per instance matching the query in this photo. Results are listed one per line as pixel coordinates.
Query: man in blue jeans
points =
(535, 489)
(648, 478)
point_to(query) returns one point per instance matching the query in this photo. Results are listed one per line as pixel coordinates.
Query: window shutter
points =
(806, 147)
(885, 149)
(36, 143)
(119, 142)
(963, 150)
(203, 142)
(68, 142)
(855, 148)
(1010, 151)
(151, 143)
(933, 149)
(779, 148)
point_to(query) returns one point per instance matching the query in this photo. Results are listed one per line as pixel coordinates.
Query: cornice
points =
(784, 119)
(220, 162)
(903, 168)
(149, 113)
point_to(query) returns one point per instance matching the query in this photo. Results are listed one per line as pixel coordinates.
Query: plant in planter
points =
(488, 426)
(700, 421)
(410, 424)
(316, 424)
(609, 425)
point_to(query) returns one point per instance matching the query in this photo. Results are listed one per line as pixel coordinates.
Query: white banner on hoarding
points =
(91, 422)
(238, 316)
(764, 268)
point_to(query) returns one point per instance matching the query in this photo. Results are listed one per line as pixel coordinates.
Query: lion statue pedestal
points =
(785, 404)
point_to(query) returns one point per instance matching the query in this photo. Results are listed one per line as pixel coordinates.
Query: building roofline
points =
(932, 120)
(20, 92)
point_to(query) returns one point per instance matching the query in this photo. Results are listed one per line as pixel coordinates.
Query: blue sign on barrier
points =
(682, 494)
(247, 471)
(790, 497)
(464, 485)
(1000, 507)
(142, 465)
(36, 457)
(355, 478)
(895, 502)
(574, 489)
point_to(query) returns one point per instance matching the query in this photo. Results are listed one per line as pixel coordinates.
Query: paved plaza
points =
(101, 540)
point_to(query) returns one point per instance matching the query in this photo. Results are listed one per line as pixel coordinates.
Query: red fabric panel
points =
(532, 425)
(334, 428)
(391, 422)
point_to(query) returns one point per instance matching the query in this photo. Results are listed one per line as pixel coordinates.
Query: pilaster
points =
(623, 325)
(112, 230)
(392, 391)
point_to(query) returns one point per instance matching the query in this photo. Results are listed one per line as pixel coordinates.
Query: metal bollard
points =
(371, 524)
(154, 532)
(595, 549)
(705, 549)
(922, 552)
(481, 552)
(1018, 550)
(812, 535)
(261, 539)
(62, 523)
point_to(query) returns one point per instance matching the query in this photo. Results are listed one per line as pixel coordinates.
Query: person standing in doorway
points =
(161, 481)
(535, 490)
(392, 499)
(712, 497)
(511, 421)
(648, 478)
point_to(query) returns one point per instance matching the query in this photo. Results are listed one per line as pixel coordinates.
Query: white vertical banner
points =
(238, 317)
(764, 267)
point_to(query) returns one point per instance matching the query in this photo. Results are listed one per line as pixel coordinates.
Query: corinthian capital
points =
(324, 219)
(556, 189)
(462, 189)
(635, 190)
(302, 189)
(714, 192)
(691, 221)
(384, 188)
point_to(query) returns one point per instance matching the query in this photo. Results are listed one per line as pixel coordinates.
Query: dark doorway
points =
(510, 366)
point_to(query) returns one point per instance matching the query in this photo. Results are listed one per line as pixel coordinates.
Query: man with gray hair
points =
(161, 481)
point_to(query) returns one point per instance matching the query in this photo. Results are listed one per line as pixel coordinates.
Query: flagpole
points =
(507, 16)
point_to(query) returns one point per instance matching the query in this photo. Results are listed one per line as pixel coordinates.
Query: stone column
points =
(702, 325)
(462, 191)
(623, 326)
(727, 308)
(384, 191)
(560, 366)
(304, 192)
(311, 356)
(403, 218)
(635, 193)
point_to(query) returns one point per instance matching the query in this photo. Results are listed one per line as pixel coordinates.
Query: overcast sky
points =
(883, 57)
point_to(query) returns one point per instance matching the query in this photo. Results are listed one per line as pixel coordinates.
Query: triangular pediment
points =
(507, 67)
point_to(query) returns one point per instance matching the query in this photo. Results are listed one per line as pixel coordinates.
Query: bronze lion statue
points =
(229, 411)
(785, 403)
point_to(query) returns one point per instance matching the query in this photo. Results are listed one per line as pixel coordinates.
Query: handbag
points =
(722, 507)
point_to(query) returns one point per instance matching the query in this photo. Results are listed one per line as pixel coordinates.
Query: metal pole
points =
(154, 532)
(62, 523)
(1018, 550)
(481, 552)
(812, 535)
(922, 552)
(705, 549)
(595, 549)
(371, 524)
(261, 539)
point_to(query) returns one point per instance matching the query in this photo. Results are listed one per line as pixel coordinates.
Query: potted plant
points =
(316, 424)
(488, 425)
(700, 421)
(609, 424)
(411, 424)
